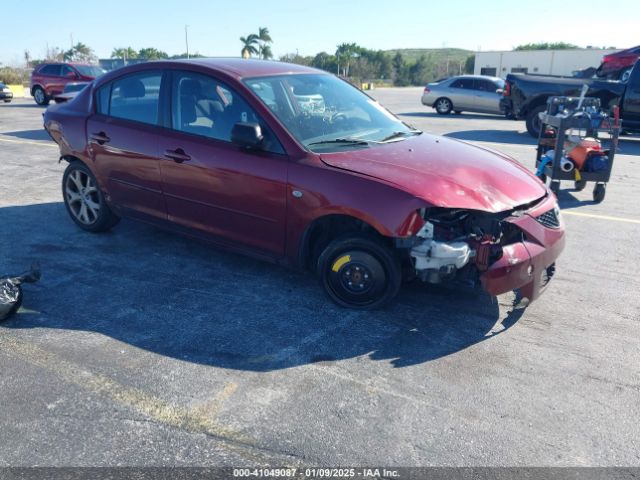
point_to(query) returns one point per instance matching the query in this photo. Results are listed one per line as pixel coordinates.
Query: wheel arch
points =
(443, 97)
(532, 104)
(324, 228)
(37, 85)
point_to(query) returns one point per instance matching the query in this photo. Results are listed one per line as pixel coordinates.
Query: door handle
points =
(100, 137)
(177, 155)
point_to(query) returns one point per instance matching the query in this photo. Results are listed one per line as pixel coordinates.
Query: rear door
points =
(123, 142)
(213, 185)
(462, 94)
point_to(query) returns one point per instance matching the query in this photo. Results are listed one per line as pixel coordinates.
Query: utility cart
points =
(583, 115)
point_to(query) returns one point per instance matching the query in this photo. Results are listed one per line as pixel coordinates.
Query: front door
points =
(215, 186)
(123, 142)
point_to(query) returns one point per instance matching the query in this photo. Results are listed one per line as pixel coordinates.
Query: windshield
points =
(90, 70)
(325, 113)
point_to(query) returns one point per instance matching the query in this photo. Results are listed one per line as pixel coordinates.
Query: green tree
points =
(191, 55)
(400, 70)
(470, 64)
(295, 58)
(325, 62)
(79, 53)
(264, 39)
(249, 45)
(151, 53)
(124, 52)
(546, 46)
(345, 53)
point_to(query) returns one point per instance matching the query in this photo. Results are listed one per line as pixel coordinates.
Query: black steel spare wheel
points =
(359, 273)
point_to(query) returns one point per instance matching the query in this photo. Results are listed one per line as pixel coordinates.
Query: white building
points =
(543, 62)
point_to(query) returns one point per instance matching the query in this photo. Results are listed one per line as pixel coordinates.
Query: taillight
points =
(426, 90)
(507, 89)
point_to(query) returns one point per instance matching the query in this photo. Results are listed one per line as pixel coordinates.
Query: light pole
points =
(186, 38)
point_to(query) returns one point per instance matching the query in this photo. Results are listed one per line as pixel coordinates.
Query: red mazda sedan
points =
(293, 165)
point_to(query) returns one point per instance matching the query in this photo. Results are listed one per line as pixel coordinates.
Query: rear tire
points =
(533, 122)
(40, 96)
(359, 272)
(443, 106)
(84, 201)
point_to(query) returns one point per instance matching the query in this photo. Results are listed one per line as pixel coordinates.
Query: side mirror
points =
(247, 134)
(500, 91)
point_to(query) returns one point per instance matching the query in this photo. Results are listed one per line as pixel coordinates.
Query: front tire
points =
(359, 272)
(84, 201)
(534, 124)
(40, 96)
(443, 106)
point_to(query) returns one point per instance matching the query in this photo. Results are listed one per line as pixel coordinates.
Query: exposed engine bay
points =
(451, 241)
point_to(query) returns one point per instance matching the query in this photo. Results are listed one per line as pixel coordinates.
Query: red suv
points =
(49, 79)
(618, 65)
(227, 150)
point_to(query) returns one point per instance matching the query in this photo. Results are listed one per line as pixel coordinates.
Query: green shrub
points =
(10, 76)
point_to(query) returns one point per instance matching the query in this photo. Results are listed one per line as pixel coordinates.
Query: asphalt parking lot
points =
(139, 347)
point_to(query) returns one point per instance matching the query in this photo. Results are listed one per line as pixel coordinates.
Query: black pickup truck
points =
(525, 96)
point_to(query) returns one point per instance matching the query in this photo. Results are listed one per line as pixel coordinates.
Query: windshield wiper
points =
(395, 135)
(352, 141)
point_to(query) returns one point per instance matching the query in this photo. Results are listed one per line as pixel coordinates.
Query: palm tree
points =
(79, 53)
(264, 50)
(249, 45)
(125, 53)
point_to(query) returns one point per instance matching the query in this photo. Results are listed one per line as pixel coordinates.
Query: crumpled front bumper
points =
(527, 265)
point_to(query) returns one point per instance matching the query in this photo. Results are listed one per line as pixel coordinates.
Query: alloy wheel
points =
(82, 197)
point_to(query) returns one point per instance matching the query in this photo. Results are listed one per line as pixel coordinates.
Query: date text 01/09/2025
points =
(315, 472)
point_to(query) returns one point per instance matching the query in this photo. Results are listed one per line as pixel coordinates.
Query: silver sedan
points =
(469, 93)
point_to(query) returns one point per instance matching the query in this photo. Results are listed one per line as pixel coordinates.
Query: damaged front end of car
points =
(504, 251)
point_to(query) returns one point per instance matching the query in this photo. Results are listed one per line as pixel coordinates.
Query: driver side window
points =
(203, 106)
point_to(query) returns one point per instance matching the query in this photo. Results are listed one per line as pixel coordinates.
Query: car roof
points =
(242, 68)
(69, 63)
(486, 77)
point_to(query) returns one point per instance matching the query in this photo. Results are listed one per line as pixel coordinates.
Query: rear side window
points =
(51, 70)
(134, 97)
(466, 83)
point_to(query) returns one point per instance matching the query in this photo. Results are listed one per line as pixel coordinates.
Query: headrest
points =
(132, 88)
(190, 87)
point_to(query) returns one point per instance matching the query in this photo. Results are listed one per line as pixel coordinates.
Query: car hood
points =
(445, 172)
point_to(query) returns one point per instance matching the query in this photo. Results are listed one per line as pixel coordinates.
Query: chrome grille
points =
(549, 219)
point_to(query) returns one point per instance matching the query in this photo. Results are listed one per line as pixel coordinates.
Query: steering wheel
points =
(338, 117)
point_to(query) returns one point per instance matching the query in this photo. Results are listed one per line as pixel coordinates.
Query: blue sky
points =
(310, 27)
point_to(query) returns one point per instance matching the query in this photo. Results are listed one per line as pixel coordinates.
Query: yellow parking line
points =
(600, 217)
(28, 142)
